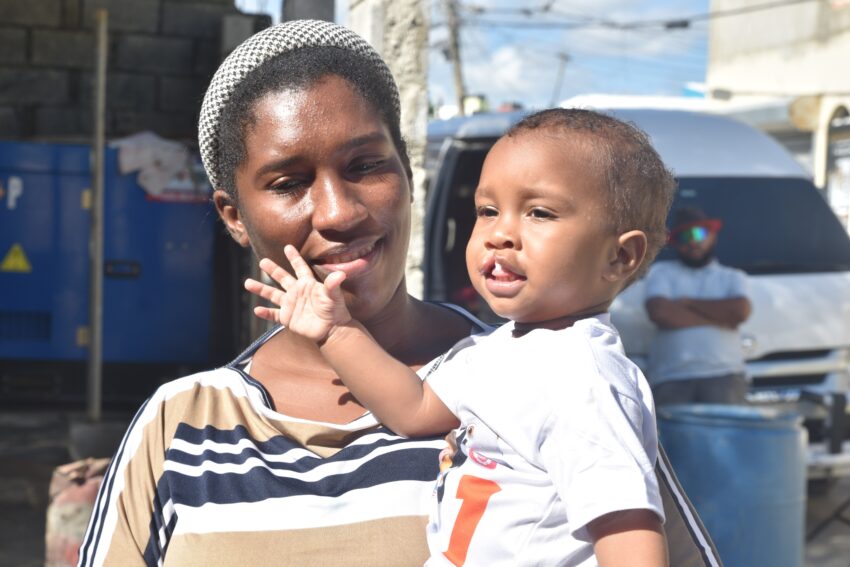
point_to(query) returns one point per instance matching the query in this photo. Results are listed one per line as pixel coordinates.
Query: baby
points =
(557, 439)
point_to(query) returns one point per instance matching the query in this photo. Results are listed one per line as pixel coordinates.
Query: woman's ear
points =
(628, 256)
(229, 214)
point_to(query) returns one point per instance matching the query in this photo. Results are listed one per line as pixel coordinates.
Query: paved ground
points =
(829, 547)
(32, 444)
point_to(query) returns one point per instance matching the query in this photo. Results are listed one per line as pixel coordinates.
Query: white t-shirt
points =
(695, 352)
(557, 429)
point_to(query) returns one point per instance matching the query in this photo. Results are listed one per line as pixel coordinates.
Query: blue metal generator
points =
(158, 277)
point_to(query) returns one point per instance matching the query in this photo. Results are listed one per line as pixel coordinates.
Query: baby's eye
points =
(486, 211)
(539, 213)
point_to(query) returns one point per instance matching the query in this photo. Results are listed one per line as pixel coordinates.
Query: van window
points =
(451, 218)
(770, 225)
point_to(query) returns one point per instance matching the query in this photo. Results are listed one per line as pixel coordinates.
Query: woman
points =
(270, 461)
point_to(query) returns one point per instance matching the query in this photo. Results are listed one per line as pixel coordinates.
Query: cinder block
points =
(175, 125)
(44, 13)
(214, 2)
(177, 94)
(10, 126)
(308, 10)
(194, 20)
(136, 92)
(61, 48)
(63, 121)
(236, 28)
(124, 91)
(125, 15)
(207, 58)
(154, 54)
(72, 13)
(13, 45)
(33, 86)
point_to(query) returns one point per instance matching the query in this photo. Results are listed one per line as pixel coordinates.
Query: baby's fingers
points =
(277, 273)
(265, 291)
(332, 283)
(299, 266)
(267, 313)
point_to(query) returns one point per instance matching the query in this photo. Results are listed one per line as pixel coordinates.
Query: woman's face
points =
(322, 173)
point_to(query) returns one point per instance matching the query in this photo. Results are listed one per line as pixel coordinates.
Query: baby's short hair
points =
(639, 186)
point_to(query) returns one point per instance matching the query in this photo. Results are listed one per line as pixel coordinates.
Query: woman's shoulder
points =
(461, 314)
(205, 393)
(225, 377)
(441, 326)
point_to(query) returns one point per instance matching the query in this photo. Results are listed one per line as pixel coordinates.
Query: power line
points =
(582, 21)
(678, 22)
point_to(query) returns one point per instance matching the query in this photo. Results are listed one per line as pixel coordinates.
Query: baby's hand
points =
(306, 306)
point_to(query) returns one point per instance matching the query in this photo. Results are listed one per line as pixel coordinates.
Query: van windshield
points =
(770, 225)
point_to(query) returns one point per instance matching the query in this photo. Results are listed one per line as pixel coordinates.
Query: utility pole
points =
(454, 52)
(94, 382)
(556, 93)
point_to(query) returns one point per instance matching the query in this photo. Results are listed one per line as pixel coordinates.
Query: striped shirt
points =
(209, 474)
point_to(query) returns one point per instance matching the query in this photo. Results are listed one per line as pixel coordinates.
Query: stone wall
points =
(162, 54)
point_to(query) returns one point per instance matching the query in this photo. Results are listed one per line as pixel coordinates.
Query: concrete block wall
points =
(162, 54)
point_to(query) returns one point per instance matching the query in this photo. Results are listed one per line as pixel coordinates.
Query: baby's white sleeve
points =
(596, 455)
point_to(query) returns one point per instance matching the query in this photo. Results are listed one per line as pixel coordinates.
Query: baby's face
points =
(541, 242)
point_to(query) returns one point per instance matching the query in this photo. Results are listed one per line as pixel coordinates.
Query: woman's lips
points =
(353, 260)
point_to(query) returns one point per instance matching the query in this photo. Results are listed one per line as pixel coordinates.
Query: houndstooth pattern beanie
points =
(255, 51)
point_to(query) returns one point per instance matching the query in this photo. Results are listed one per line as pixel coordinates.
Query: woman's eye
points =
(367, 166)
(288, 185)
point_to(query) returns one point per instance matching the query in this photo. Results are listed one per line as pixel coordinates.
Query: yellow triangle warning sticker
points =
(15, 261)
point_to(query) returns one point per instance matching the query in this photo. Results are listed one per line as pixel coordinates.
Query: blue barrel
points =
(744, 469)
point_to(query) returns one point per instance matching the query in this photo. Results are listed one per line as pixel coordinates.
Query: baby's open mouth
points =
(501, 273)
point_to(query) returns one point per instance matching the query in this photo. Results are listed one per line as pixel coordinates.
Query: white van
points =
(777, 228)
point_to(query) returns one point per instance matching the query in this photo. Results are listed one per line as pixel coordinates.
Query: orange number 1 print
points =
(475, 492)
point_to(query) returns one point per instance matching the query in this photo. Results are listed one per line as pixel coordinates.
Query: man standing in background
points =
(697, 305)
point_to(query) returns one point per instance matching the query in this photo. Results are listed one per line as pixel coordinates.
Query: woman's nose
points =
(337, 204)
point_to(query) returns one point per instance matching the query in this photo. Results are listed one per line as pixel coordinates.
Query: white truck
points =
(777, 228)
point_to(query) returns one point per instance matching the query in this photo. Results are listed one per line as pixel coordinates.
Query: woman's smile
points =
(355, 259)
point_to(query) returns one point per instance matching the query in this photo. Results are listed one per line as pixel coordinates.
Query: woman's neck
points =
(395, 326)
(302, 383)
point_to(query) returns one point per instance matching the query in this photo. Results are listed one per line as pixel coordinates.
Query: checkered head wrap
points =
(255, 51)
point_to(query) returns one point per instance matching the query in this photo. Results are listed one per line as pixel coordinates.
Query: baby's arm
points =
(317, 311)
(629, 537)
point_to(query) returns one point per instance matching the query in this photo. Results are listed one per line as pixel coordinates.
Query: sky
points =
(611, 46)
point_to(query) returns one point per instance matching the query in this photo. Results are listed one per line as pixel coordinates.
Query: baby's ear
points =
(628, 256)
